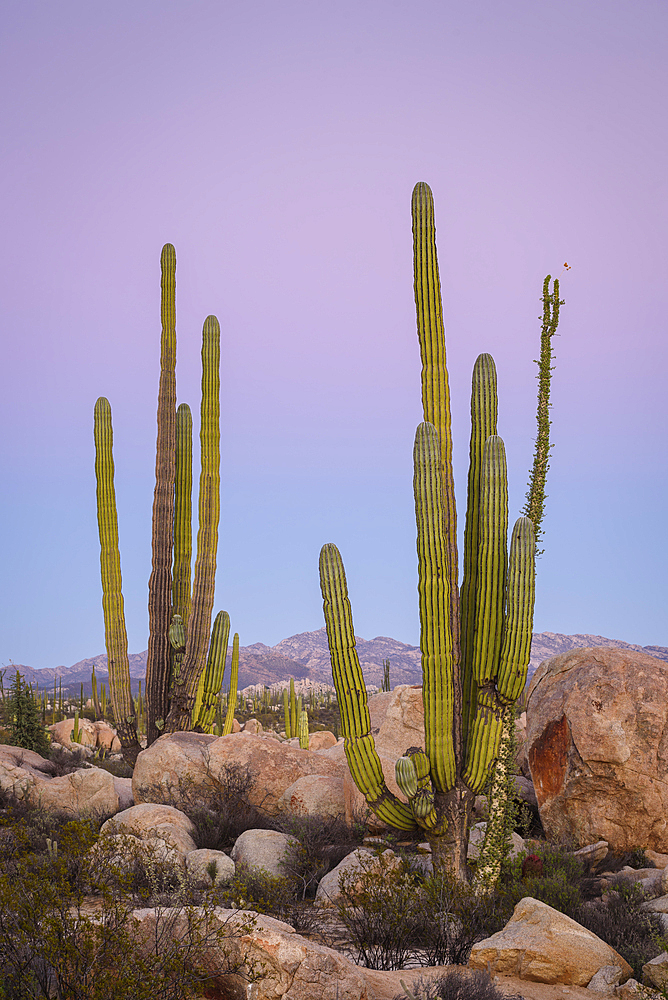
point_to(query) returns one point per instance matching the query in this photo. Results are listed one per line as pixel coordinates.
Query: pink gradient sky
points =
(276, 145)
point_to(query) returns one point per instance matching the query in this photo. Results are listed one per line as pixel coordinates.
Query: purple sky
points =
(276, 145)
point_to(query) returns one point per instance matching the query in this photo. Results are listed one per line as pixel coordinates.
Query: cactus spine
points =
(158, 663)
(234, 683)
(116, 639)
(211, 680)
(465, 700)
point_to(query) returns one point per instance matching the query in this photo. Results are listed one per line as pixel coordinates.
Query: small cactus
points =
(303, 730)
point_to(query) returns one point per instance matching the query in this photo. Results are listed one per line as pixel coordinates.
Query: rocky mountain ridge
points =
(306, 656)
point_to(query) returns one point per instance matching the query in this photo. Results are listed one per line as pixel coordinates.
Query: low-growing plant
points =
(319, 845)
(559, 885)
(472, 984)
(620, 922)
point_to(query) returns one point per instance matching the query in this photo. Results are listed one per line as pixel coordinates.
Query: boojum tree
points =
(475, 640)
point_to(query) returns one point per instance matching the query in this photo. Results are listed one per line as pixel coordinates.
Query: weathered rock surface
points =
(288, 966)
(180, 763)
(605, 980)
(261, 849)
(357, 862)
(61, 733)
(123, 788)
(199, 862)
(403, 723)
(322, 740)
(541, 944)
(655, 972)
(314, 795)
(597, 737)
(87, 793)
(148, 820)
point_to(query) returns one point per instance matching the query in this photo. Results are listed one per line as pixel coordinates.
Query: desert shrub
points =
(560, 885)
(55, 946)
(320, 844)
(620, 922)
(454, 918)
(381, 911)
(257, 889)
(119, 768)
(24, 719)
(458, 985)
(220, 808)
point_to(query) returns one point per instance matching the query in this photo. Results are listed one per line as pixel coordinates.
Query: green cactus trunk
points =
(199, 623)
(286, 712)
(303, 730)
(293, 709)
(183, 544)
(116, 639)
(234, 682)
(211, 680)
(158, 662)
(468, 696)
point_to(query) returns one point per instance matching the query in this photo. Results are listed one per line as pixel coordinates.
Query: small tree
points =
(25, 718)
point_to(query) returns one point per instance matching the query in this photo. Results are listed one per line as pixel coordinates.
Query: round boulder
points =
(149, 820)
(314, 795)
(261, 849)
(597, 740)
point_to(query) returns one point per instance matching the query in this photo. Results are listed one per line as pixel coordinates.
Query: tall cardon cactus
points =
(475, 643)
(115, 634)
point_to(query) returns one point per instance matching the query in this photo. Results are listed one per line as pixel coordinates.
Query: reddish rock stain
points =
(548, 758)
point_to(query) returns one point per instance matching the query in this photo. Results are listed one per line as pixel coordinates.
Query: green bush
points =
(560, 885)
(24, 719)
(54, 946)
(320, 844)
(620, 922)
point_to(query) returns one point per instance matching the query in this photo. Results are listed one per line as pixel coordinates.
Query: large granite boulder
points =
(541, 944)
(87, 793)
(314, 795)
(149, 820)
(597, 738)
(178, 764)
(262, 849)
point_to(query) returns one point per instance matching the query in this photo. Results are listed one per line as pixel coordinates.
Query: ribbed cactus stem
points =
(435, 383)
(199, 623)
(158, 661)
(294, 718)
(492, 561)
(286, 711)
(183, 546)
(484, 409)
(211, 680)
(363, 760)
(433, 590)
(234, 683)
(116, 639)
(303, 730)
(518, 625)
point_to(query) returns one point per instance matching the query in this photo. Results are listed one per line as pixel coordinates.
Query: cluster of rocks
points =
(592, 761)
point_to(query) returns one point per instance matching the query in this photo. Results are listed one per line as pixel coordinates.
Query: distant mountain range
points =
(306, 657)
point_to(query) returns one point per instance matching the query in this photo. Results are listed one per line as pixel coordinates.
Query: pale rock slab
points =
(477, 839)
(322, 740)
(288, 966)
(314, 795)
(597, 738)
(261, 849)
(148, 820)
(359, 862)
(61, 733)
(541, 944)
(198, 863)
(188, 761)
(87, 793)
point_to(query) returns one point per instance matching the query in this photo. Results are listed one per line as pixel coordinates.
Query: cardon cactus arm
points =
(211, 680)
(484, 410)
(433, 589)
(363, 760)
(485, 729)
(234, 684)
(518, 624)
(183, 547)
(115, 634)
